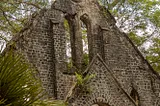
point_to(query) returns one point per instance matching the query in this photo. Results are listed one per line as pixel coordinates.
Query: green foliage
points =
(141, 19)
(83, 81)
(154, 54)
(69, 64)
(85, 61)
(14, 13)
(155, 18)
(18, 86)
(2, 102)
(138, 40)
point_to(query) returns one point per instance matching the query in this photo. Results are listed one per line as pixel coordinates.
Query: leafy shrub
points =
(82, 82)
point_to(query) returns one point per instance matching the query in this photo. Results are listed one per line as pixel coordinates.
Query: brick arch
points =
(100, 104)
(76, 40)
(135, 96)
(89, 100)
(94, 98)
(100, 101)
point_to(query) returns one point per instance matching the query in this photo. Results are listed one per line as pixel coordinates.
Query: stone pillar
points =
(76, 41)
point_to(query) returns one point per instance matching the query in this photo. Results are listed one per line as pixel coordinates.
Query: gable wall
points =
(103, 88)
(130, 68)
(43, 42)
(120, 55)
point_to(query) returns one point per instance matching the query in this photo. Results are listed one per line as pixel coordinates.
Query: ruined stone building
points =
(122, 76)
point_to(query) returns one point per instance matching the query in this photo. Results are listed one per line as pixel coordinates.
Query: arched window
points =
(86, 27)
(78, 39)
(85, 60)
(135, 96)
(68, 47)
(74, 44)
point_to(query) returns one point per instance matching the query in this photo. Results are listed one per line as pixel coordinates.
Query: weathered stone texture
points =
(43, 43)
(39, 50)
(104, 88)
(130, 69)
(121, 71)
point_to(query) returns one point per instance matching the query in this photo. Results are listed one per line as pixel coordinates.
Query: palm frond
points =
(18, 86)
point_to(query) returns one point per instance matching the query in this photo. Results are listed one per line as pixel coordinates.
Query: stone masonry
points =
(122, 76)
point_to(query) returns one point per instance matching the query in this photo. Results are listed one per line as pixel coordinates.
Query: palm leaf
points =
(18, 86)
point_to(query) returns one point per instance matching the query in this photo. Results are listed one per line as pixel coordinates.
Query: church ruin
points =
(122, 76)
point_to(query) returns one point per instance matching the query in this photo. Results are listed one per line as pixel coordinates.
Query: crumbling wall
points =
(35, 42)
(130, 68)
(103, 88)
(119, 53)
(43, 43)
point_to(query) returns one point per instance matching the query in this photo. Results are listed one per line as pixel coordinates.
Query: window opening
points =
(85, 60)
(70, 51)
(135, 96)
(68, 48)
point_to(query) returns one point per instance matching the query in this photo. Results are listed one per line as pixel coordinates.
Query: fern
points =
(83, 81)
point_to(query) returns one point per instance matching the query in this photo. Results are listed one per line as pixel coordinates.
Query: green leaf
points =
(18, 86)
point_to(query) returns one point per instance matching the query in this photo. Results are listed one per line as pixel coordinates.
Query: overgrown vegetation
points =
(23, 88)
(138, 18)
(14, 14)
(18, 85)
(82, 82)
(141, 20)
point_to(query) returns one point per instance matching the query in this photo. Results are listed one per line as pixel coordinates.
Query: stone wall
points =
(43, 43)
(130, 68)
(104, 88)
(35, 42)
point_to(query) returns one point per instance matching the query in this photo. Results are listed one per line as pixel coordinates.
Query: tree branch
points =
(5, 16)
(29, 3)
